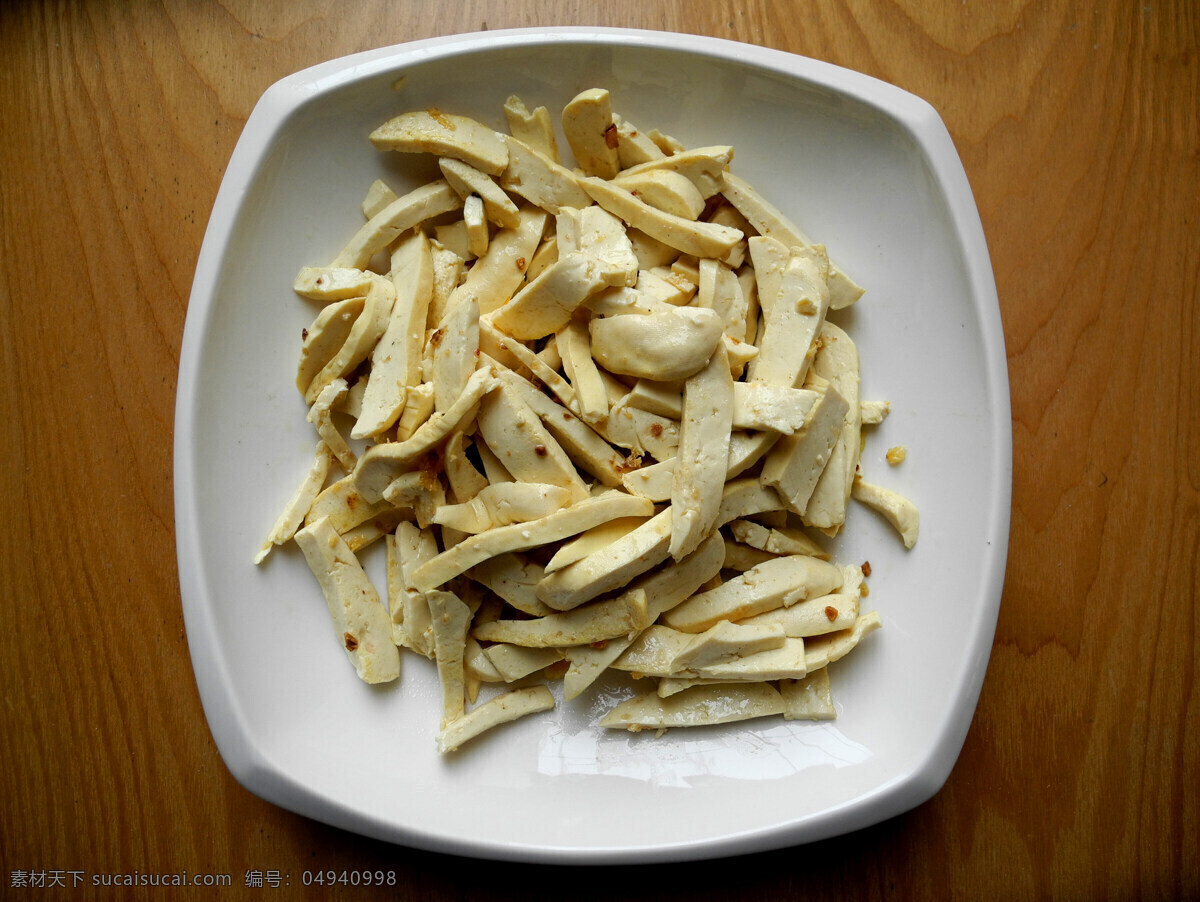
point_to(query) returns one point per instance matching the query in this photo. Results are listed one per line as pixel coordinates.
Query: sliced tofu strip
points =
(790, 323)
(653, 651)
(411, 620)
(598, 622)
(724, 642)
(475, 225)
(769, 221)
(661, 286)
(590, 452)
(344, 508)
(745, 498)
(785, 661)
(465, 481)
(720, 290)
(451, 618)
(517, 436)
(743, 557)
(540, 180)
(595, 539)
(808, 698)
(705, 167)
(669, 585)
(380, 464)
(697, 706)
(795, 463)
(327, 284)
(517, 661)
(776, 540)
(576, 348)
(762, 406)
(812, 617)
(532, 127)
(653, 482)
(547, 303)
(634, 146)
(655, 435)
(325, 337)
(609, 568)
(499, 710)
(420, 491)
(321, 416)
(503, 504)
(600, 235)
(360, 620)
(671, 192)
(837, 361)
(703, 454)
(823, 650)
(368, 533)
(896, 509)
(497, 275)
(479, 666)
(662, 398)
(546, 253)
(514, 578)
(700, 239)
(650, 251)
(447, 274)
(445, 135)
(531, 361)
(396, 359)
(292, 515)
(379, 195)
(467, 180)
(587, 123)
(664, 346)
(780, 582)
(395, 219)
(455, 351)
(587, 662)
(875, 412)
(418, 408)
(364, 333)
(578, 517)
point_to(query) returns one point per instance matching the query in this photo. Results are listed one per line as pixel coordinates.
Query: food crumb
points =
(866, 568)
(896, 454)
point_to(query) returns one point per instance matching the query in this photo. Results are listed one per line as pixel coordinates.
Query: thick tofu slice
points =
(325, 337)
(776, 540)
(361, 623)
(704, 167)
(513, 578)
(455, 351)
(700, 463)
(724, 642)
(498, 274)
(576, 348)
(395, 219)
(327, 284)
(445, 135)
(761, 406)
(587, 122)
(412, 624)
(813, 617)
(791, 320)
(587, 662)
(321, 416)
(503, 504)
(634, 146)
(823, 650)
(502, 709)
(671, 192)
(595, 539)
(598, 234)
(697, 706)
(779, 582)
(517, 661)
(344, 508)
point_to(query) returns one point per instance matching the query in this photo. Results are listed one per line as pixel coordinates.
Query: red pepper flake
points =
(540, 450)
(612, 139)
(831, 612)
(521, 264)
(351, 642)
(352, 498)
(304, 335)
(866, 568)
(603, 643)
(656, 429)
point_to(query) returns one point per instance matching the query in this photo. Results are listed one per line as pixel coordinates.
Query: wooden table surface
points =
(1078, 126)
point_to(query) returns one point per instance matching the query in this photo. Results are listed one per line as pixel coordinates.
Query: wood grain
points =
(1078, 126)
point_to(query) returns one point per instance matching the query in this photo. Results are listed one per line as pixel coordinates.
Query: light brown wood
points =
(1078, 125)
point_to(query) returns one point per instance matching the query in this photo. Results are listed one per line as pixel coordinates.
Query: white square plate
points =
(861, 166)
